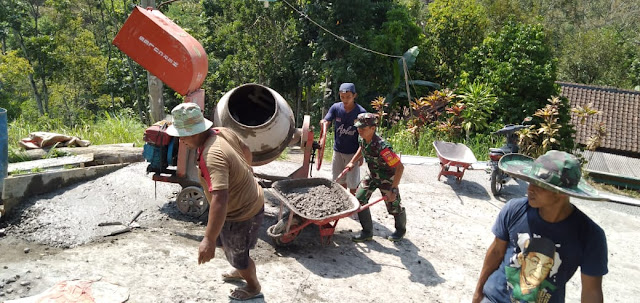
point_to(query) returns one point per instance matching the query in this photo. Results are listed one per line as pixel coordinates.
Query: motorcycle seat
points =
(497, 150)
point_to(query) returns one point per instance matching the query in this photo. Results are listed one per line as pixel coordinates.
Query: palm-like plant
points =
(479, 103)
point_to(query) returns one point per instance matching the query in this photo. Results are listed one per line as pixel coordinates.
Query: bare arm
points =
(325, 126)
(217, 216)
(591, 289)
(398, 175)
(492, 260)
(356, 157)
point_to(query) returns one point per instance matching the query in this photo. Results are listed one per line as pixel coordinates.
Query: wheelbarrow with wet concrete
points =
(317, 201)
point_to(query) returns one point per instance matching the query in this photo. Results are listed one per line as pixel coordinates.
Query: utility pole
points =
(156, 103)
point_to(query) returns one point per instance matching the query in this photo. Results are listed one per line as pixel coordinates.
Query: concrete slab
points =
(22, 186)
(27, 166)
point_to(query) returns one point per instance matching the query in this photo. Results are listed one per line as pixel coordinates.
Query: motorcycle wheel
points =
(496, 182)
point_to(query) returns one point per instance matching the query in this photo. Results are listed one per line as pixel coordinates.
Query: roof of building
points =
(619, 110)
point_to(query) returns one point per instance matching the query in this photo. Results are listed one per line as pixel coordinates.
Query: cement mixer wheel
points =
(192, 202)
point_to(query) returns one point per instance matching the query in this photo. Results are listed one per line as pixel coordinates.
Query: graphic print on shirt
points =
(532, 269)
(349, 130)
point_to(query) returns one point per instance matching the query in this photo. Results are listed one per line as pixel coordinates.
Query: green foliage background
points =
(59, 70)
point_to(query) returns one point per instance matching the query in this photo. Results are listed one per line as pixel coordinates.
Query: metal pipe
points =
(4, 147)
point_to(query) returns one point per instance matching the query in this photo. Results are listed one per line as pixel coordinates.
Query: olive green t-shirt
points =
(229, 170)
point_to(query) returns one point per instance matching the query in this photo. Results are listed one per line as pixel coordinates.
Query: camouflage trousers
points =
(369, 185)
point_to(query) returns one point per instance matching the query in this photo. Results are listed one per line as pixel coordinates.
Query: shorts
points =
(486, 300)
(338, 164)
(236, 238)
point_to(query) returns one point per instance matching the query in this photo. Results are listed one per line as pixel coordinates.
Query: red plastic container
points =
(164, 49)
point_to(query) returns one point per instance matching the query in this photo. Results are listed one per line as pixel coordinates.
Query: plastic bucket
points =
(4, 147)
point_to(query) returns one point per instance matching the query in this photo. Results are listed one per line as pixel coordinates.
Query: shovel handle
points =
(344, 172)
(363, 207)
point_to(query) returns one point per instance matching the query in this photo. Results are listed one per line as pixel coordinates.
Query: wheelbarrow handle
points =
(344, 172)
(363, 207)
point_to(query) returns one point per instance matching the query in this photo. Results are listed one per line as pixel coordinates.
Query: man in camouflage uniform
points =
(385, 171)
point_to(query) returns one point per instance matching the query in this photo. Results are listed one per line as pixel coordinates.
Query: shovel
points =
(344, 172)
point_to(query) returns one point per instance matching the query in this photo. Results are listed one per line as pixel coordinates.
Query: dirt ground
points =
(56, 237)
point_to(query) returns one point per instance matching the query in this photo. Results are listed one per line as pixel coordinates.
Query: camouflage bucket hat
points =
(187, 121)
(555, 171)
(366, 119)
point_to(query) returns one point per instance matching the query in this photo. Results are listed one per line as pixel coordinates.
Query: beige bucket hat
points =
(187, 120)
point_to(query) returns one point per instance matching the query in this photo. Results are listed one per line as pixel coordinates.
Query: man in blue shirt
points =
(542, 239)
(345, 135)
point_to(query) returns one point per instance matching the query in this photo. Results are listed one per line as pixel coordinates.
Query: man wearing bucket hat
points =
(385, 171)
(236, 201)
(545, 214)
(345, 135)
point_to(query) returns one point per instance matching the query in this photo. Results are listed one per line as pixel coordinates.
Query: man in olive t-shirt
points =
(236, 201)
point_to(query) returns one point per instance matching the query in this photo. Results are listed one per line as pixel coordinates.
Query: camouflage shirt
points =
(380, 158)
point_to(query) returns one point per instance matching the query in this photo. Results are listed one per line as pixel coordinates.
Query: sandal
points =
(245, 294)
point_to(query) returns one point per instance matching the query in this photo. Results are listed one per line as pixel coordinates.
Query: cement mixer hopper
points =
(164, 49)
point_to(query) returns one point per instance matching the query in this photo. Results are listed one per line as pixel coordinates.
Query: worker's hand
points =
(349, 166)
(390, 196)
(324, 126)
(206, 250)
(477, 297)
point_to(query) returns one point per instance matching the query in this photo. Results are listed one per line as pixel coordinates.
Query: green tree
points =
(14, 89)
(453, 28)
(597, 56)
(518, 65)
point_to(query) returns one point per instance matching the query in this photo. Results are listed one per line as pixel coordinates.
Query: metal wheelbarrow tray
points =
(457, 155)
(298, 220)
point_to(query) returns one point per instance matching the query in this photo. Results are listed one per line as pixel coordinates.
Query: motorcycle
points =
(498, 177)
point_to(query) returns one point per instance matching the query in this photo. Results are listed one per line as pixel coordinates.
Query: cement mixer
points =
(258, 114)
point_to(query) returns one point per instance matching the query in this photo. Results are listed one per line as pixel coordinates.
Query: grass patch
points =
(110, 129)
(17, 155)
(614, 189)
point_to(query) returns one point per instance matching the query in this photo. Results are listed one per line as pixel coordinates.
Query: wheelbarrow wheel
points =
(192, 202)
(496, 183)
(282, 239)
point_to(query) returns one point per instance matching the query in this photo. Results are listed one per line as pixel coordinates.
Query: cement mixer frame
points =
(178, 60)
(191, 200)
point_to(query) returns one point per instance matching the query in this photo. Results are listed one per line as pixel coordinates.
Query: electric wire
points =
(404, 61)
(339, 37)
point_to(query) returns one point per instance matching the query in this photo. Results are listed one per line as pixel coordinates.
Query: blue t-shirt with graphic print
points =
(579, 242)
(345, 135)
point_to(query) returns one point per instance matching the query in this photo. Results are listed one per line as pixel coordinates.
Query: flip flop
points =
(227, 277)
(248, 295)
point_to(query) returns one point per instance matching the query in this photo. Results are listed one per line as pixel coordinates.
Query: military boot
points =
(367, 227)
(401, 227)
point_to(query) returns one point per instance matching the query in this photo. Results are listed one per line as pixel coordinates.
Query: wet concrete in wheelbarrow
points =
(319, 201)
